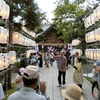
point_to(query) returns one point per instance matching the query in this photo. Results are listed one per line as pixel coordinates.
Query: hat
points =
(73, 92)
(97, 63)
(21, 70)
(34, 60)
(31, 72)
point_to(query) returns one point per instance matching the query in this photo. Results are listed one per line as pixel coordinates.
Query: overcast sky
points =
(47, 6)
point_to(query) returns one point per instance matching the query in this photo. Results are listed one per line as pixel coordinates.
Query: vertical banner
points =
(70, 48)
(36, 48)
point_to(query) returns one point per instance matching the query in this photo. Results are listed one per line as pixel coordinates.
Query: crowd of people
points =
(28, 82)
(29, 85)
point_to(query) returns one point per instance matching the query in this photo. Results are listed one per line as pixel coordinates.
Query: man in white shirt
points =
(30, 80)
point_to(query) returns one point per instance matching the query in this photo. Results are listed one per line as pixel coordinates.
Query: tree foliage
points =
(69, 17)
(27, 11)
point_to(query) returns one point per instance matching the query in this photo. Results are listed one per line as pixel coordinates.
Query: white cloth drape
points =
(1, 92)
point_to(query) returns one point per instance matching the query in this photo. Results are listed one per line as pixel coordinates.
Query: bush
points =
(23, 62)
(17, 64)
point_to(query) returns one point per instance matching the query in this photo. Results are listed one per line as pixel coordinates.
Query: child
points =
(94, 78)
(19, 77)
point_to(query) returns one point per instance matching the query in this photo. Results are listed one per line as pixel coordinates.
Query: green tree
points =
(27, 11)
(69, 17)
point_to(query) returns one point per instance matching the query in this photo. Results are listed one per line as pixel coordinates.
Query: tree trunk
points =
(7, 83)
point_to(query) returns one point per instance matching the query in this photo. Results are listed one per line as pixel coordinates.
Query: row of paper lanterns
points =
(28, 52)
(6, 59)
(93, 17)
(22, 40)
(77, 50)
(4, 10)
(29, 32)
(93, 36)
(4, 35)
(75, 42)
(93, 54)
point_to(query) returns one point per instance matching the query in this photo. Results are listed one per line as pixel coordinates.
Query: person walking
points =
(46, 57)
(98, 70)
(30, 80)
(67, 55)
(94, 79)
(40, 59)
(51, 55)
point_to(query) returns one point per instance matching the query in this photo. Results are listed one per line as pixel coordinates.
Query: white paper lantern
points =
(86, 37)
(20, 39)
(33, 43)
(3, 6)
(6, 13)
(95, 54)
(75, 42)
(6, 60)
(1, 62)
(91, 54)
(95, 13)
(89, 22)
(87, 53)
(97, 34)
(6, 36)
(92, 36)
(12, 57)
(16, 37)
(28, 53)
(25, 43)
(98, 54)
(1, 34)
(98, 12)
(86, 23)
(92, 19)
